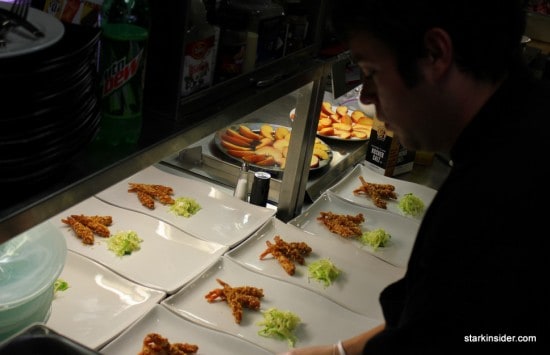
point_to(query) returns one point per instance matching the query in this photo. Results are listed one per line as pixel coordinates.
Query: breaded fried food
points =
(379, 193)
(287, 253)
(85, 227)
(237, 298)
(81, 231)
(183, 348)
(156, 192)
(284, 261)
(146, 200)
(105, 220)
(156, 344)
(346, 226)
(94, 223)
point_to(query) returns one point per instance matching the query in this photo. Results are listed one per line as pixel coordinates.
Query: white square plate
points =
(402, 229)
(345, 187)
(318, 325)
(179, 330)
(99, 304)
(167, 259)
(362, 276)
(222, 218)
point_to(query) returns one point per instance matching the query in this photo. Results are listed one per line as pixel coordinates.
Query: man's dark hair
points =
(486, 33)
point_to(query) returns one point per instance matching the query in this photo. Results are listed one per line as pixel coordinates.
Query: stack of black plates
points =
(49, 108)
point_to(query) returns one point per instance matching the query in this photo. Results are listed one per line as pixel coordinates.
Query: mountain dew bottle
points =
(124, 36)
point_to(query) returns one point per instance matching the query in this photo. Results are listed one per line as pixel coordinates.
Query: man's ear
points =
(439, 54)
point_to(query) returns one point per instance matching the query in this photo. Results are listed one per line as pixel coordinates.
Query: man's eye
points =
(369, 74)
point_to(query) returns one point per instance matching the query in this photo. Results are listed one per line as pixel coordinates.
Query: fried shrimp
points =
(86, 226)
(346, 226)
(146, 200)
(379, 193)
(236, 298)
(156, 344)
(94, 223)
(287, 253)
(148, 193)
(80, 230)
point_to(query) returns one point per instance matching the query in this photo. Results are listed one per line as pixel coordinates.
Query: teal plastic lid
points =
(30, 263)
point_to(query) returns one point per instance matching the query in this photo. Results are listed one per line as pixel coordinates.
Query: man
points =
(449, 76)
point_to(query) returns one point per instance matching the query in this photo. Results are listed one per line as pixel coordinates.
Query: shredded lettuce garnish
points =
(185, 206)
(376, 238)
(124, 243)
(279, 324)
(411, 205)
(324, 271)
(60, 285)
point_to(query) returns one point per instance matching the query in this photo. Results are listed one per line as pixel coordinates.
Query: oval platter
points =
(245, 142)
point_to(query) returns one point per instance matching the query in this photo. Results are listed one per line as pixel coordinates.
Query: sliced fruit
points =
(326, 107)
(327, 131)
(281, 132)
(335, 118)
(325, 122)
(314, 161)
(282, 164)
(356, 115)
(272, 152)
(264, 142)
(322, 154)
(341, 127)
(254, 158)
(321, 146)
(360, 134)
(240, 153)
(342, 110)
(235, 140)
(230, 146)
(232, 132)
(342, 134)
(266, 131)
(280, 144)
(247, 132)
(266, 162)
(367, 121)
(360, 127)
(346, 119)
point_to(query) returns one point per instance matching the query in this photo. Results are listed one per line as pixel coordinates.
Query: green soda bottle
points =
(125, 26)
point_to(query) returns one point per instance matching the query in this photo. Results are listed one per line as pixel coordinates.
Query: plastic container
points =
(30, 263)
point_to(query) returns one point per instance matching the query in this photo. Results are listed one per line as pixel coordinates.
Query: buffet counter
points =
(114, 301)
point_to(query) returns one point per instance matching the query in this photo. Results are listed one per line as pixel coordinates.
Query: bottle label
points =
(123, 70)
(198, 64)
(120, 72)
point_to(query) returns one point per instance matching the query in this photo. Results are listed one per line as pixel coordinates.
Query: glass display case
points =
(173, 122)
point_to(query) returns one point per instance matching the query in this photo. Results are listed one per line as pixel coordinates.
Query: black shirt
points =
(478, 271)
